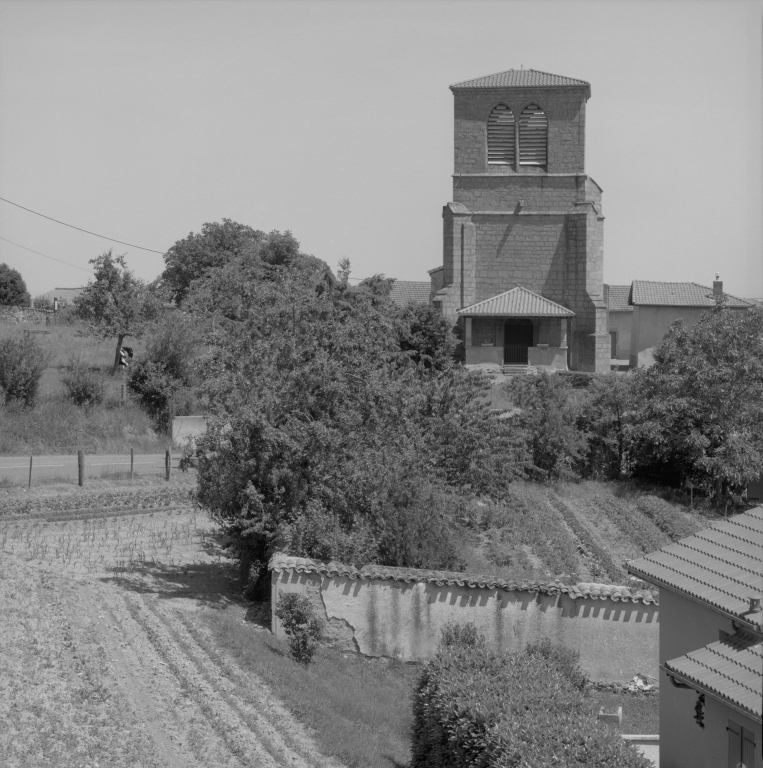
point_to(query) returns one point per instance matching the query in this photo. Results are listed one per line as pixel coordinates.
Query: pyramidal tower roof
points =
(521, 78)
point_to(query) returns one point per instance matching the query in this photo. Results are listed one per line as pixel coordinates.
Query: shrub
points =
(82, 384)
(22, 362)
(479, 708)
(42, 302)
(301, 625)
(13, 290)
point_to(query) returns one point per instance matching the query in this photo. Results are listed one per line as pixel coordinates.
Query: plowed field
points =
(102, 663)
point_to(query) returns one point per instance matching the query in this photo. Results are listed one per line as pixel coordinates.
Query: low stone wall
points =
(398, 613)
(19, 315)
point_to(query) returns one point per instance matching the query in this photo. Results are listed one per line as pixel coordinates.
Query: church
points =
(522, 271)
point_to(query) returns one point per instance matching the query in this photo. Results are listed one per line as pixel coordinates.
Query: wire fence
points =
(79, 467)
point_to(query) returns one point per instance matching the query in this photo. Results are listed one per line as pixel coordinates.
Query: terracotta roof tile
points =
(649, 293)
(730, 669)
(518, 302)
(520, 78)
(406, 291)
(721, 565)
(618, 298)
(282, 562)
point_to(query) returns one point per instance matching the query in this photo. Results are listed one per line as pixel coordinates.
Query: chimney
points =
(717, 287)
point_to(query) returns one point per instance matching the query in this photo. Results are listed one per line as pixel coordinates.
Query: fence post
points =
(132, 461)
(168, 463)
(30, 473)
(81, 467)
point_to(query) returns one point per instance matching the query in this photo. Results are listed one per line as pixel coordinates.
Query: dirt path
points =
(109, 670)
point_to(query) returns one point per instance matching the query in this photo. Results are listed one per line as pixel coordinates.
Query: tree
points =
(116, 302)
(13, 290)
(426, 336)
(216, 245)
(701, 403)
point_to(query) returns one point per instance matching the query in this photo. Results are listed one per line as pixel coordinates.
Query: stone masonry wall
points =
(564, 108)
(616, 639)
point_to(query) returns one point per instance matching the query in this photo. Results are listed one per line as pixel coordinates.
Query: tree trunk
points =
(116, 357)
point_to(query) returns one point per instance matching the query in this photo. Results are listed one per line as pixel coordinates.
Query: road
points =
(15, 469)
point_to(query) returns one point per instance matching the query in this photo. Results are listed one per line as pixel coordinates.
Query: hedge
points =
(478, 708)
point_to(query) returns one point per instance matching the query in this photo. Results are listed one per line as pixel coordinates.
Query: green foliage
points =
(165, 378)
(701, 403)
(427, 337)
(22, 363)
(83, 385)
(301, 625)
(549, 420)
(479, 708)
(13, 290)
(116, 302)
(42, 302)
(218, 244)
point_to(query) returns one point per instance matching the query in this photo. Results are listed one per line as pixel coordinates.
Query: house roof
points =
(406, 291)
(721, 565)
(281, 562)
(67, 294)
(518, 302)
(520, 78)
(730, 670)
(618, 298)
(658, 294)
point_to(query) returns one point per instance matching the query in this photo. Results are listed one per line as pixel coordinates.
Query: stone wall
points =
(29, 315)
(399, 613)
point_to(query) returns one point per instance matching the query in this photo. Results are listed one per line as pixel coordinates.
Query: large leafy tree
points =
(702, 401)
(13, 290)
(329, 440)
(116, 303)
(219, 243)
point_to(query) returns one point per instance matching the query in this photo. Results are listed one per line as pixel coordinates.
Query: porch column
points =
(563, 332)
(467, 332)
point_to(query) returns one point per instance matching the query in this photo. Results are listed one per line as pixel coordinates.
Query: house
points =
(657, 305)
(619, 320)
(522, 271)
(405, 292)
(711, 644)
(65, 296)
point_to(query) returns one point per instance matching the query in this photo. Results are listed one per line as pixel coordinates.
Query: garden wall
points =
(9, 314)
(398, 612)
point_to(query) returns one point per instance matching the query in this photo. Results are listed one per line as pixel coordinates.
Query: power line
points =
(45, 255)
(86, 231)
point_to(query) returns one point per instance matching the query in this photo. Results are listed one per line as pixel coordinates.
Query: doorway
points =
(517, 339)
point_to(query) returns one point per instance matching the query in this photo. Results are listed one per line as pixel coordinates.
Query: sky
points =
(141, 121)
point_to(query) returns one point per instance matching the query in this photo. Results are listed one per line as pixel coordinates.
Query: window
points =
(500, 136)
(741, 746)
(533, 136)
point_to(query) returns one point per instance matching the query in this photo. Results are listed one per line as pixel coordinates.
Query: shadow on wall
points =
(399, 613)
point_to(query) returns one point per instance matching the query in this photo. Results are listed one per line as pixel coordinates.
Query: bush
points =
(22, 362)
(301, 625)
(42, 302)
(479, 708)
(82, 384)
(13, 290)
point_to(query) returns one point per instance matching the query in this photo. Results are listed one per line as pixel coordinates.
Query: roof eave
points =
(459, 88)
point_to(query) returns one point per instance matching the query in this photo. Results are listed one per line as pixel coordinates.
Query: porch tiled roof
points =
(658, 294)
(404, 292)
(520, 78)
(730, 669)
(518, 302)
(282, 562)
(721, 565)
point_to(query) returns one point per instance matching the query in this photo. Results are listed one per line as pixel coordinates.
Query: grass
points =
(358, 709)
(55, 425)
(641, 713)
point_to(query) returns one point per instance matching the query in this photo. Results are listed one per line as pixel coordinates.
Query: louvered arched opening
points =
(533, 136)
(500, 136)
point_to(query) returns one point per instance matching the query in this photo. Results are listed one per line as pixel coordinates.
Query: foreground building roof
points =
(404, 292)
(518, 302)
(721, 566)
(658, 294)
(520, 78)
(281, 562)
(730, 670)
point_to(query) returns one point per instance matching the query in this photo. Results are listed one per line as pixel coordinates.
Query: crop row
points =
(635, 526)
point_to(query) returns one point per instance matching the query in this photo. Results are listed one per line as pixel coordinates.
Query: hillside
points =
(574, 531)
